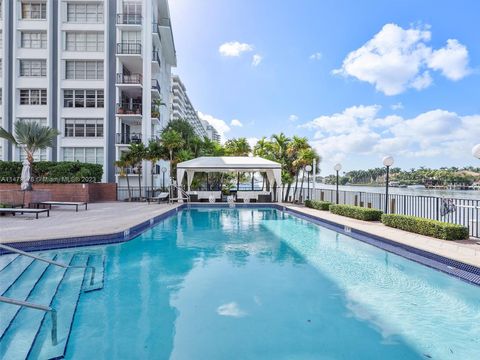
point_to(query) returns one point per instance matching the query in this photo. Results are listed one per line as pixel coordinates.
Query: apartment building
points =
(97, 70)
(212, 133)
(181, 107)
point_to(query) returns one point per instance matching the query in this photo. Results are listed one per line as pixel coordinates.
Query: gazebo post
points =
(253, 179)
(208, 185)
(238, 180)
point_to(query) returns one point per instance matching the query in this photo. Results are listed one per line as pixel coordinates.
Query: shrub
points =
(319, 205)
(433, 228)
(356, 212)
(62, 172)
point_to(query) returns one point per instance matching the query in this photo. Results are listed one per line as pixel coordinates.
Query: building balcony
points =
(131, 79)
(125, 138)
(156, 59)
(129, 19)
(126, 48)
(129, 108)
(155, 88)
(155, 30)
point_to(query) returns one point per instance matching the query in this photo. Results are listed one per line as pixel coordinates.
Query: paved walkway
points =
(467, 251)
(100, 218)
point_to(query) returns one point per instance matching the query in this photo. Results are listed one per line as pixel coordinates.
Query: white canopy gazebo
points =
(229, 164)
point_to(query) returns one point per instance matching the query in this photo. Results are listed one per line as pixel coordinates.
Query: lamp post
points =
(337, 168)
(308, 168)
(387, 162)
(164, 170)
(476, 151)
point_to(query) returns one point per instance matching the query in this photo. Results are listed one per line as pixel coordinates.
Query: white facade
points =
(182, 108)
(91, 69)
(212, 133)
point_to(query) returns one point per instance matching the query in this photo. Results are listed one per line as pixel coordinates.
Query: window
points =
(83, 128)
(34, 10)
(33, 96)
(85, 13)
(83, 98)
(132, 37)
(40, 121)
(33, 40)
(84, 41)
(91, 155)
(84, 70)
(1, 36)
(33, 68)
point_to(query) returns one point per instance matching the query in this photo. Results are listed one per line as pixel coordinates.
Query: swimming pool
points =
(247, 283)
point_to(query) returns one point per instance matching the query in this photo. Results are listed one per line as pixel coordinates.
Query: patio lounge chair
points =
(163, 196)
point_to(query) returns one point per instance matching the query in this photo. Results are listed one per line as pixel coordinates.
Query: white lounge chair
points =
(163, 196)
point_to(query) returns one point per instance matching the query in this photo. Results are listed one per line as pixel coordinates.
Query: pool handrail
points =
(52, 311)
(65, 266)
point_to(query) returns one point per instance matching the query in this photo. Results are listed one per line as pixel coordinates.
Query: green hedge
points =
(356, 212)
(433, 228)
(319, 205)
(50, 172)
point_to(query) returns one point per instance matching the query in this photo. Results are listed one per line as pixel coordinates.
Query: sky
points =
(360, 79)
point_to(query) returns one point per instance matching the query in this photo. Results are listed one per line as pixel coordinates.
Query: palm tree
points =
(30, 136)
(172, 140)
(237, 147)
(154, 153)
(123, 164)
(136, 154)
(293, 150)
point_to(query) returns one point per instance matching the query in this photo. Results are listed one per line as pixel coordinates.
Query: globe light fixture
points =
(308, 168)
(337, 168)
(387, 162)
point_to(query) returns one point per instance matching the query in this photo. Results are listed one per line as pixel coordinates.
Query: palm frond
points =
(4, 134)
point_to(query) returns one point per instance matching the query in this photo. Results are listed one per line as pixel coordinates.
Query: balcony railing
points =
(132, 138)
(129, 108)
(155, 29)
(164, 22)
(155, 85)
(129, 48)
(129, 79)
(156, 57)
(129, 19)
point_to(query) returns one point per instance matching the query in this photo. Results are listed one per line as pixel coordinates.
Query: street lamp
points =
(337, 168)
(387, 162)
(476, 151)
(308, 168)
(164, 170)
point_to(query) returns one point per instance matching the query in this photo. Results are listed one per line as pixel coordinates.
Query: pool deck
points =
(64, 222)
(466, 251)
(112, 217)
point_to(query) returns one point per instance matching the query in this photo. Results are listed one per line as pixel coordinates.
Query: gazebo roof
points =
(230, 163)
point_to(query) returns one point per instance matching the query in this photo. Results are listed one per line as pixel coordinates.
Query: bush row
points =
(356, 212)
(433, 228)
(50, 172)
(319, 205)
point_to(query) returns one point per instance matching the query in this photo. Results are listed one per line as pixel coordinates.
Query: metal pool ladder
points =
(49, 309)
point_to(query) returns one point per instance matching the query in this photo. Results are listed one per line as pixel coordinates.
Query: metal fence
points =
(465, 212)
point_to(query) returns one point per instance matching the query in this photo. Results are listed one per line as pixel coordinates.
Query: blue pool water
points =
(258, 284)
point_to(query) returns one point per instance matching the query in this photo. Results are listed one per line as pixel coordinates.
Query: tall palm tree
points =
(123, 164)
(237, 147)
(293, 151)
(154, 153)
(30, 136)
(172, 140)
(136, 154)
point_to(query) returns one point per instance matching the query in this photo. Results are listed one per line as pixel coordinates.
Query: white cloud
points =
(236, 122)
(397, 106)
(256, 59)
(452, 60)
(252, 141)
(359, 131)
(220, 125)
(231, 309)
(293, 117)
(396, 59)
(234, 48)
(316, 56)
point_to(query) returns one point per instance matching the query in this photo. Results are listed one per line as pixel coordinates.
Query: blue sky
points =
(360, 79)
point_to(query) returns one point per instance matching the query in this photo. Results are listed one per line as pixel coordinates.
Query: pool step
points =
(5, 260)
(65, 302)
(25, 333)
(98, 261)
(13, 271)
(20, 334)
(21, 290)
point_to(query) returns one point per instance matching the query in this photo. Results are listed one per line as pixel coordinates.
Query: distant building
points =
(182, 108)
(212, 133)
